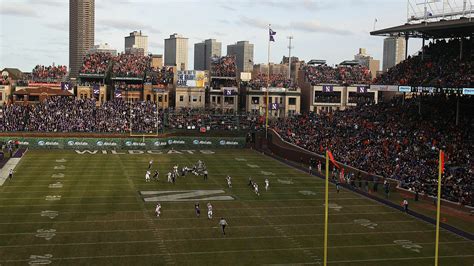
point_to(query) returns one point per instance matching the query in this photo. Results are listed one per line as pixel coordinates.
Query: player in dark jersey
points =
(197, 209)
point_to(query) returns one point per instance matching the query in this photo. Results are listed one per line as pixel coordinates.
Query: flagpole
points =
(326, 210)
(438, 207)
(268, 85)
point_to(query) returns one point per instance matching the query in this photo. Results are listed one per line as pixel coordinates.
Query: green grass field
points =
(98, 216)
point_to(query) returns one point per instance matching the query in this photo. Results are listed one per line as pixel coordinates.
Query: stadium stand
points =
(223, 66)
(130, 65)
(48, 73)
(392, 140)
(440, 66)
(96, 63)
(336, 75)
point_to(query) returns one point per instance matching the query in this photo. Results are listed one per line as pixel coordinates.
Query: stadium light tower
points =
(290, 38)
(424, 10)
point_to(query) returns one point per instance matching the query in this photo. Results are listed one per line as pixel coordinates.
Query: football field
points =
(65, 208)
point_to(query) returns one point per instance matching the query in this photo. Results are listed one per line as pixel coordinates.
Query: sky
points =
(36, 31)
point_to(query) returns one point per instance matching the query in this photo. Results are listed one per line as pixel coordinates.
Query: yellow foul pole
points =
(268, 85)
(326, 211)
(438, 208)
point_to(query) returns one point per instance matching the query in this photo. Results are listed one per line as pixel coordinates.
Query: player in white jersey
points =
(255, 187)
(229, 181)
(147, 176)
(169, 177)
(267, 184)
(158, 210)
(150, 163)
(209, 210)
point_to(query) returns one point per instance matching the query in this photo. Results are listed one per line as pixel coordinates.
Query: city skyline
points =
(320, 28)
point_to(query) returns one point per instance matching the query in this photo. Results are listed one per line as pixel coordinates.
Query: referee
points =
(223, 223)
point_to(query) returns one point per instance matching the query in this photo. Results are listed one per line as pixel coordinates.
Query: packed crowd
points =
(48, 73)
(159, 76)
(440, 67)
(213, 120)
(223, 66)
(337, 75)
(393, 140)
(64, 114)
(276, 80)
(130, 65)
(95, 63)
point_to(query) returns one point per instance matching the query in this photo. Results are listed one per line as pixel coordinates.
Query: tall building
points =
(393, 51)
(366, 60)
(81, 32)
(136, 40)
(243, 51)
(176, 51)
(204, 51)
(103, 48)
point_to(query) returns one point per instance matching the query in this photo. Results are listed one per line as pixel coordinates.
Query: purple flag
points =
(272, 33)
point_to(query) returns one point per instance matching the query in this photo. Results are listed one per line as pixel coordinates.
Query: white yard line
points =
(212, 239)
(237, 251)
(188, 210)
(194, 218)
(200, 228)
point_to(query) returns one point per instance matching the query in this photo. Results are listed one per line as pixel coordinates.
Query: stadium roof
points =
(462, 27)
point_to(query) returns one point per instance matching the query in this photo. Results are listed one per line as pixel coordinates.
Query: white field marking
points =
(334, 206)
(183, 195)
(47, 234)
(210, 239)
(266, 173)
(240, 159)
(170, 202)
(187, 210)
(50, 214)
(50, 197)
(194, 218)
(253, 165)
(59, 167)
(40, 259)
(62, 160)
(93, 197)
(305, 192)
(57, 175)
(408, 244)
(286, 182)
(366, 223)
(192, 228)
(56, 185)
(400, 258)
(231, 251)
(92, 185)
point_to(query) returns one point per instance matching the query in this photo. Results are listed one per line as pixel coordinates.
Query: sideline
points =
(11, 164)
(388, 203)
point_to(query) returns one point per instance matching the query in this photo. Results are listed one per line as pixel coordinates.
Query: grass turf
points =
(102, 218)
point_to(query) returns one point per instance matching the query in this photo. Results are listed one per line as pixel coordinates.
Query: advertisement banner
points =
(127, 143)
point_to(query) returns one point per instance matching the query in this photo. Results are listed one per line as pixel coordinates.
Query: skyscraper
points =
(204, 51)
(393, 51)
(176, 51)
(243, 51)
(81, 32)
(136, 40)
